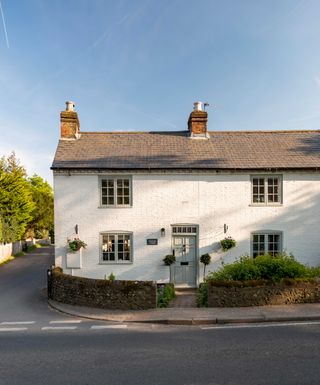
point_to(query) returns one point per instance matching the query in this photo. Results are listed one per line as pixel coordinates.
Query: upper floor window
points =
(115, 191)
(266, 189)
(116, 248)
(266, 243)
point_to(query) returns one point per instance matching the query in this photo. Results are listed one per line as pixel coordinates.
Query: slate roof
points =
(232, 150)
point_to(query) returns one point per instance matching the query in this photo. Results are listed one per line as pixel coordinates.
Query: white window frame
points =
(115, 178)
(266, 200)
(116, 234)
(266, 233)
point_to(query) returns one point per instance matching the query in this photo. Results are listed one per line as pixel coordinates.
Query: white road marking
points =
(12, 329)
(262, 325)
(65, 322)
(59, 328)
(97, 327)
(18, 323)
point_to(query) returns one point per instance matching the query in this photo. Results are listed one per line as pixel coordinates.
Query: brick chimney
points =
(197, 123)
(69, 123)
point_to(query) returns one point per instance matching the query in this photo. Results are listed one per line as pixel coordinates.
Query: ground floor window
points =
(116, 247)
(266, 243)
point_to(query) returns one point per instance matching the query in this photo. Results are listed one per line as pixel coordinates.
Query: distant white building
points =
(135, 197)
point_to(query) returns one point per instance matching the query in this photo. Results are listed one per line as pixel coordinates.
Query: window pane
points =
(273, 190)
(274, 244)
(107, 192)
(108, 247)
(126, 200)
(258, 245)
(258, 190)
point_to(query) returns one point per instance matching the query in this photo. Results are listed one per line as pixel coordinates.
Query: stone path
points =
(184, 298)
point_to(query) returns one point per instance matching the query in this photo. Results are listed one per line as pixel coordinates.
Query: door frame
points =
(196, 246)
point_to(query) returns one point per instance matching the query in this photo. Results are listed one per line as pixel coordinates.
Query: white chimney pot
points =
(197, 106)
(70, 106)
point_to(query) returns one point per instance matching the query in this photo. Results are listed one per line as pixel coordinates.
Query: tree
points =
(42, 214)
(16, 202)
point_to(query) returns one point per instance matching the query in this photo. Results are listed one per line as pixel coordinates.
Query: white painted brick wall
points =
(162, 200)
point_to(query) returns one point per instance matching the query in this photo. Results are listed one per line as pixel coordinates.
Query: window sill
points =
(115, 207)
(266, 205)
(115, 263)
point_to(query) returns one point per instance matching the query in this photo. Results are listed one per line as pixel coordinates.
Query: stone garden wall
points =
(134, 295)
(272, 294)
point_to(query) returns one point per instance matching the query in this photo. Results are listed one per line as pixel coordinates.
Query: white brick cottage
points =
(135, 197)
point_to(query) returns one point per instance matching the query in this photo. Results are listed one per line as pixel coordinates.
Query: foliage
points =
(42, 216)
(202, 295)
(16, 204)
(205, 259)
(169, 259)
(43, 234)
(227, 243)
(111, 277)
(165, 294)
(264, 267)
(76, 244)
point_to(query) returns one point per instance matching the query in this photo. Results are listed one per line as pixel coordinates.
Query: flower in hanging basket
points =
(76, 244)
(227, 243)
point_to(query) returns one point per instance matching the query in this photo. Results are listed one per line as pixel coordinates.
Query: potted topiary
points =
(168, 261)
(205, 259)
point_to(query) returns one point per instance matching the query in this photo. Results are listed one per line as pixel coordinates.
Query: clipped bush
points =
(205, 259)
(169, 259)
(264, 267)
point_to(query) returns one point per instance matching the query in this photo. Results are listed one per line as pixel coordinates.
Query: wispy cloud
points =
(4, 25)
(107, 34)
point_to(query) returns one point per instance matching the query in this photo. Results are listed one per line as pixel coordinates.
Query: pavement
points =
(198, 316)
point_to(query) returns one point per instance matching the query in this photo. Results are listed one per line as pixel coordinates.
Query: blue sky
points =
(138, 65)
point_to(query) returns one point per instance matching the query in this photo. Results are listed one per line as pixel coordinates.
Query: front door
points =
(184, 270)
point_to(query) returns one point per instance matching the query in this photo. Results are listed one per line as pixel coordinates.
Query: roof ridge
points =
(211, 132)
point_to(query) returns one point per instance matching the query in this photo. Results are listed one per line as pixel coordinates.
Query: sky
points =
(138, 65)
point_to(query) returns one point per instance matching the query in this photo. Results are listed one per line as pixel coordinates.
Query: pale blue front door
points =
(184, 271)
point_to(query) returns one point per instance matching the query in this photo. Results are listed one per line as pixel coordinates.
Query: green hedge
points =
(260, 271)
(264, 267)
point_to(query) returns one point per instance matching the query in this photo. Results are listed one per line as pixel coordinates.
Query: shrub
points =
(202, 295)
(165, 294)
(111, 277)
(264, 267)
(227, 243)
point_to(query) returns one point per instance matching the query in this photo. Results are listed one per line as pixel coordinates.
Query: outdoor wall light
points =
(76, 229)
(225, 228)
(163, 232)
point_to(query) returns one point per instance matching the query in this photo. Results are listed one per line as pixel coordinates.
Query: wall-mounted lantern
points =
(76, 229)
(225, 228)
(163, 232)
